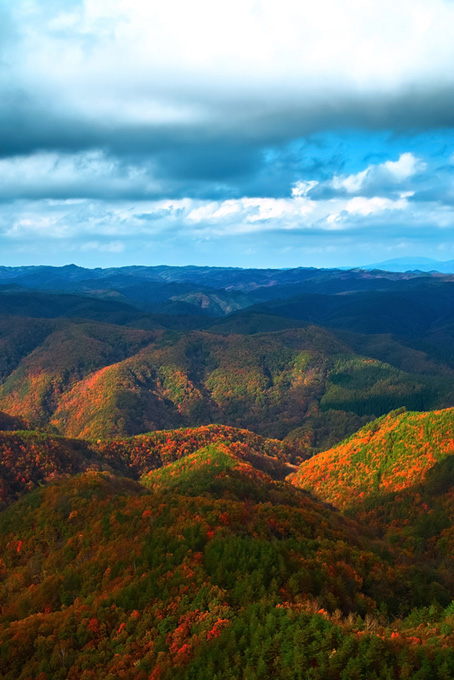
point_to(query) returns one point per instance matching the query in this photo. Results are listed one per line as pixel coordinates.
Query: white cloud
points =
(351, 183)
(273, 231)
(301, 188)
(92, 219)
(250, 214)
(55, 167)
(371, 206)
(389, 172)
(362, 207)
(196, 93)
(48, 173)
(407, 166)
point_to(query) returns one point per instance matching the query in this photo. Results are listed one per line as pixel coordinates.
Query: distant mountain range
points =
(413, 264)
(179, 291)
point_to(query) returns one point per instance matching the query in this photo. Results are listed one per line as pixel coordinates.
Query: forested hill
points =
(388, 455)
(397, 476)
(95, 380)
(202, 564)
(210, 474)
(29, 459)
(303, 354)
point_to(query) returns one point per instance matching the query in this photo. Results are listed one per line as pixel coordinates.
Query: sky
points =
(248, 133)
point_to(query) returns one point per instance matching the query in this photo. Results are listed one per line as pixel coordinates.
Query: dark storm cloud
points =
(223, 138)
(228, 140)
(180, 127)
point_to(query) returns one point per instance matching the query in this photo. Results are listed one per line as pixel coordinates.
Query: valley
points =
(266, 492)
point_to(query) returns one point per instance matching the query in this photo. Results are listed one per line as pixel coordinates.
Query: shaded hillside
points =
(104, 306)
(72, 277)
(410, 311)
(54, 305)
(29, 459)
(10, 423)
(250, 323)
(204, 302)
(192, 291)
(19, 337)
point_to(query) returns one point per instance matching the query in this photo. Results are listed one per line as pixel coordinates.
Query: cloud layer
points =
(286, 131)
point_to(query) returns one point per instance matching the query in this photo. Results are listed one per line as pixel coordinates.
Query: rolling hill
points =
(114, 293)
(54, 358)
(408, 311)
(212, 568)
(93, 380)
(90, 363)
(387, 455)
(168, 519)
(29, 458)
(396, 475)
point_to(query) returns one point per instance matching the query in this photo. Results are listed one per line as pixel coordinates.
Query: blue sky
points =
(248, 133)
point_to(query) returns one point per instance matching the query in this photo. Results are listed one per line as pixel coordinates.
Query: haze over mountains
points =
(423, 264)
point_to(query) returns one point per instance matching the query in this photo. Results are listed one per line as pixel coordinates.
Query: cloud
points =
(405, 167)
(370, 206)
(81, 175)
(128, 127)
(382, 177)
(250, 232)
(119, 75)
(206, 100)
(302, 188)
(343, 203)
(246, 213)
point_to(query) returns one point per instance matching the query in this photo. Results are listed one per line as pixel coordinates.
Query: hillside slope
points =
(388, 455)
(29, 459)
(92, 380)
(395, 476)
(215, 571)
(58, 354)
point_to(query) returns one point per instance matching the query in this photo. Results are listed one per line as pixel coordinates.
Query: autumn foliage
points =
(204, 563)
(388, 455)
